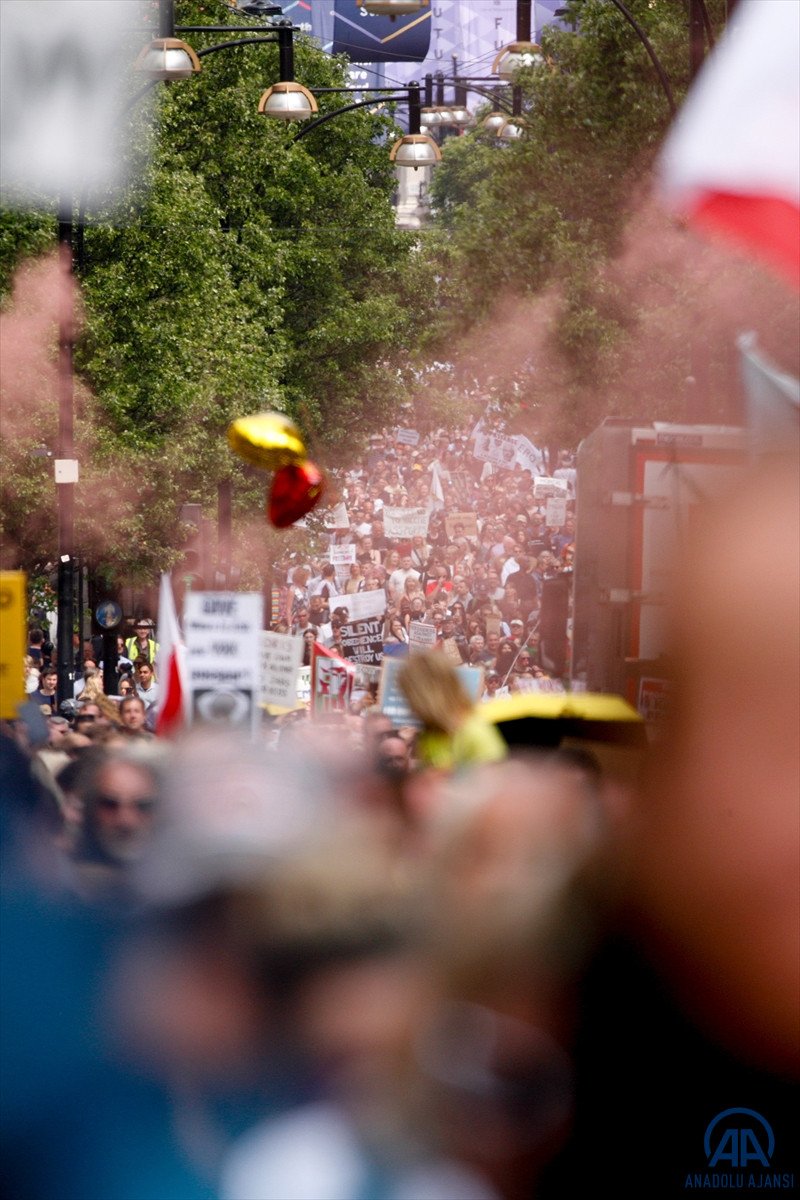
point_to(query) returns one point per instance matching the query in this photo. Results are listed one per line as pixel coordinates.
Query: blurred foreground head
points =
(715, 851)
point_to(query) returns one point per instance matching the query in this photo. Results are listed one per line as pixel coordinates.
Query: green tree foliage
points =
(244, 271)
(549, 211)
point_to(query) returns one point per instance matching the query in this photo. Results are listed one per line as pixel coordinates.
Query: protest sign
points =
(281, 656)
(342, 556)
(304, 685)
(468, 522)
(496, 449)
(338, 518)
(405, 522)
(221, 630)
(555, 511)
(393, 703)
(529, 457)
(421, 635)
(331, 681)
(362, 641)
(544, 487)
(407, 437)
(450, 648)
(361, 605)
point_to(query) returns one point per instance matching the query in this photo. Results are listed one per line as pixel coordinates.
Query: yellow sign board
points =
(13, 642)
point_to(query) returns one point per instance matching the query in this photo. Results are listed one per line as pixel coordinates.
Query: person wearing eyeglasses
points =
(120, 810)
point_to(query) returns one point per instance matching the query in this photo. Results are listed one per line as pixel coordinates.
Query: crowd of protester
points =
(479, 581)
(390, 963)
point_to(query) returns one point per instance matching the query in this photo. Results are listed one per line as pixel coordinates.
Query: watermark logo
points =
(741, 1142)
(739, 1146)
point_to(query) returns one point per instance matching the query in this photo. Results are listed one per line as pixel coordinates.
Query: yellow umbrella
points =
(606, 725)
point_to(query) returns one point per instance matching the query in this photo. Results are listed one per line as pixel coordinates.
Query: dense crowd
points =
(478, 574)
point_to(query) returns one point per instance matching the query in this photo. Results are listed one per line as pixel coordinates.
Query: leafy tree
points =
(545, 215)
(245, 271)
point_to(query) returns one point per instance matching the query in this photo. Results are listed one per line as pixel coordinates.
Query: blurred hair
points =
(432, 687)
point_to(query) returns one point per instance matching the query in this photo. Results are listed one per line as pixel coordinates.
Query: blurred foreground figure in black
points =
(691, 1007)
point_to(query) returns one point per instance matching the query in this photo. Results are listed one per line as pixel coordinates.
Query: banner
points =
(405, 523)
(338, 517)
(362, 641)
(544, 487)
(366, 38)
(495, 449)
(281, 656)
(529, 457)
(406, 437)
(361, 605)
(468, 522)
(221, 631)
(332, 680)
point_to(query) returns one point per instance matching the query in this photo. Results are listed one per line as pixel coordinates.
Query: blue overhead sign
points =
(367, 38)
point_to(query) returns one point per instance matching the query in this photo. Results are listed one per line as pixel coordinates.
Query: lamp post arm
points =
(337, 112)
(648, 45)
(248, 41)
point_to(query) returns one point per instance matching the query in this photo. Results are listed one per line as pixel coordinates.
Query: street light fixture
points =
(288, 101)
(168, 59)
(514, 56)
(415, 150)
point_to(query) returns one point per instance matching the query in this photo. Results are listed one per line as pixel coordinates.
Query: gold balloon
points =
(267, 440)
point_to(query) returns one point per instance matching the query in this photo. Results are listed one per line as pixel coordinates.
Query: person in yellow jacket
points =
(142, 644)
(454, 734)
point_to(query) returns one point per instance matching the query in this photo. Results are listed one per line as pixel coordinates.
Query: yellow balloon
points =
(267, 440)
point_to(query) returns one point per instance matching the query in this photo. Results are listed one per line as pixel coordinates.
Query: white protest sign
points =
(555, 511)
(362, 605)
(342, 556)
(304, 685)
(281, 656)
(496, 449)
(544, 487)
(222, 630)
(405, 523)
(61, 96)
(529, 457)
(407, 437)
(338, 518)
(421, 635)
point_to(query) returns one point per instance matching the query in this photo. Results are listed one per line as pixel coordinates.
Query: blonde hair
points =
(431, 685)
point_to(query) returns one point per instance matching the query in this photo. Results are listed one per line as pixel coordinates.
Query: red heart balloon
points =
(296, 489)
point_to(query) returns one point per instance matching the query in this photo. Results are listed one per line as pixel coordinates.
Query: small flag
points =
(171, 665)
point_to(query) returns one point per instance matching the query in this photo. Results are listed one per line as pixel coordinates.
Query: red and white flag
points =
(732, 160)
(332, 679)
(170, 665)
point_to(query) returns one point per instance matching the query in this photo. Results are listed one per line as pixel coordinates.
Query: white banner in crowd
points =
(407, 437)
(544, 487)
(361, 605)
(221, 631)
(338, 518)
(529, 457)
(494, 448)
(281, 656)
(405, 522)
